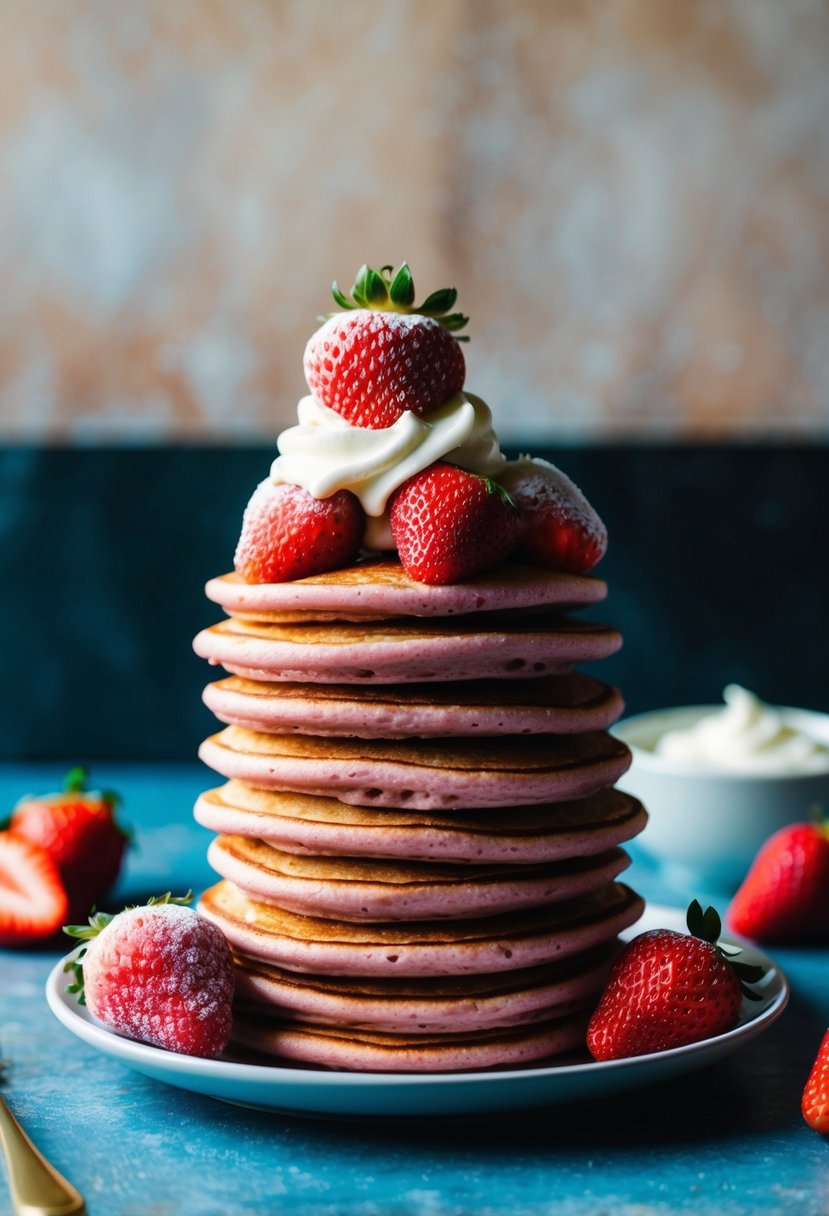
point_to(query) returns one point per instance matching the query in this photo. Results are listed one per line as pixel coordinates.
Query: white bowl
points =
(706, 825)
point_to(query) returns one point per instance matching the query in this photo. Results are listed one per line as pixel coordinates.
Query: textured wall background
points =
(631, 195)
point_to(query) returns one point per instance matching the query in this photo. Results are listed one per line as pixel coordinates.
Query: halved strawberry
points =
(390, 355)
(448, 524)
(33, 903)
(289, 534)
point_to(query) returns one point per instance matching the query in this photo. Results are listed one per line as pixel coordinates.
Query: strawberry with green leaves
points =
(160, 974)
(78, 828)
(448, 524)
(784, 898)
(667, 989)
(385, 354)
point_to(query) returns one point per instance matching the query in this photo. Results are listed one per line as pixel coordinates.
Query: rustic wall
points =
(631, 195)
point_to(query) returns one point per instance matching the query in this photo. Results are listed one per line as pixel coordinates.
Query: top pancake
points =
(379, 589)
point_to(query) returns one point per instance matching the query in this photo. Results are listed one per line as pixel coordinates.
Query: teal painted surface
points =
(727, 1141)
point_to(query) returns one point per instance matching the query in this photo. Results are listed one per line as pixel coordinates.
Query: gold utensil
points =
(37, 1189)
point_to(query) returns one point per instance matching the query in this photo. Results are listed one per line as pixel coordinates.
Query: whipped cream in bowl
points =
(717, 781)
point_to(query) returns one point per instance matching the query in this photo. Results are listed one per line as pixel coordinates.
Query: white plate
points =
(308, 1091)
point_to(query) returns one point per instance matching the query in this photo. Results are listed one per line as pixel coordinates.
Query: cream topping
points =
(745, 736)
(325, 453)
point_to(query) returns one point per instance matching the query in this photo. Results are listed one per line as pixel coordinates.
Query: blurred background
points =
(632, 197)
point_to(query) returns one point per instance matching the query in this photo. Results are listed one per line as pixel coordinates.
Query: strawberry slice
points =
(33, 903)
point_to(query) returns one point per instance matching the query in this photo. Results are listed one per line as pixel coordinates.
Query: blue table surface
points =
(728, 1139)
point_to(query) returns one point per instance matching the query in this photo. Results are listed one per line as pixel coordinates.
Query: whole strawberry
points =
(815, 1102)
(785, 895)
(33, 903)
(78, 828)
(667, 989)
(160, 974)
(289, 534)
(559, 528)
(448, 524)
(390, 355)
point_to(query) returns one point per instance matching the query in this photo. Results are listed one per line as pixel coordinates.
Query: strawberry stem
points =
(385, 290)
(98, 921)
(707, 926)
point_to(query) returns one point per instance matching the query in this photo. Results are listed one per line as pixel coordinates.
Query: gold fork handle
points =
(37, 1189)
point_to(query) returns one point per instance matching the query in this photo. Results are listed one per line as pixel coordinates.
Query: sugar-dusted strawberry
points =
(159, 973)
(448, 524)
(289, 534)
(667, 989)
(785, 895)
(815, 1102)
(33, 902)
(559, 528)
(388, 356)
(78, 828)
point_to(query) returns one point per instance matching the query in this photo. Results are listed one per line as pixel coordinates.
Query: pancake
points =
(379, 589)
(373, 890)
(302, 823)
(405, 652)
(425, 774)
(442, 1005)
(510, 941)
(367, 1051)
(547, 705)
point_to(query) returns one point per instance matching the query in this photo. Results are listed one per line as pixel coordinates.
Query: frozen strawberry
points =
(160, 974)
(667, 989)
(32, 899)
(815, 1103)
(289, 534)
(388, 356)
(785, 895)
(79, 829)
(448, 524)
(559, 529)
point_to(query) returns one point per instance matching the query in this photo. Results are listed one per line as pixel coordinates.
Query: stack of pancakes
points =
(419, 838)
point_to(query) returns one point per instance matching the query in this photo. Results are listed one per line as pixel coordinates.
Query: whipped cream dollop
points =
(745, 736)
(325, 453)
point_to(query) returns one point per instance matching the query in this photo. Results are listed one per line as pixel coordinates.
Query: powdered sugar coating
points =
(373, 366)
(559, 528)
(162, 975)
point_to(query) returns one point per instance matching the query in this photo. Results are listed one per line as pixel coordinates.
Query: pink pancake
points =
(372, 890)
(364, 1051)
(405, 652)
(426, 774)
(549, 705)
(508, 942)
(380, 589)
(455, 1004)
(302, 823)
